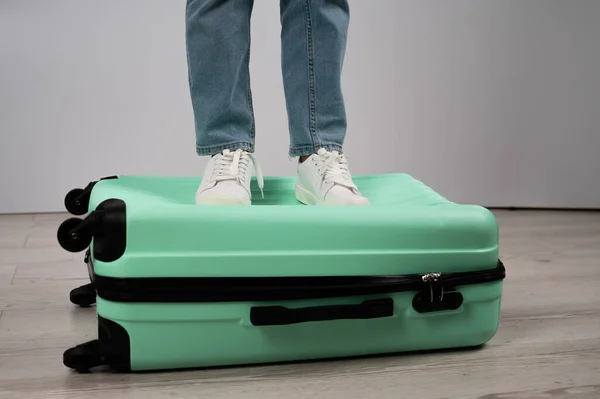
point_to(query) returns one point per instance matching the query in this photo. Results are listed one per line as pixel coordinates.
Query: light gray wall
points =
(490, 102)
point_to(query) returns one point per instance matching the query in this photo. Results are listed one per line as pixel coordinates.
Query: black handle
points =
(280, 315)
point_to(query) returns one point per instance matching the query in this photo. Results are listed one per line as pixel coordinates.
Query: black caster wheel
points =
(84, 296)
(84, 357)
(77, 201)
(72, 236)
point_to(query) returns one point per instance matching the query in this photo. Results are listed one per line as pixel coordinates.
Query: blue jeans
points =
(313, 39)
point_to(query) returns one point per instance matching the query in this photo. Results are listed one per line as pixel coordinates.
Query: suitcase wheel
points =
(77, 201)
(84, 357)
(84, 296)
(73, 235)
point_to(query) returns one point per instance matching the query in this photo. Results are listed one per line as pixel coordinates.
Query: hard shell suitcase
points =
(183, 286)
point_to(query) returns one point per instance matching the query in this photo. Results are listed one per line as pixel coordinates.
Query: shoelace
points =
(335, 168)
(234, 165)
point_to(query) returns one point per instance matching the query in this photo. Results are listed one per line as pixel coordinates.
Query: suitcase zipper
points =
(434, 287)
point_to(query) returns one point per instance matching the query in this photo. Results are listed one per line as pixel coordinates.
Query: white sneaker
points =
(227, 177)
(324, 179)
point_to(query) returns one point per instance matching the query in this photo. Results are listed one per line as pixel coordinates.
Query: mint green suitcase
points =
(178, 285)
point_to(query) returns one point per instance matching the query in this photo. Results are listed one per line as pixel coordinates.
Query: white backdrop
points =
(490, 102)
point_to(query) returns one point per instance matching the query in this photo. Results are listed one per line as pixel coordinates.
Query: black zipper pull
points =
(435, 297)
(436, 286)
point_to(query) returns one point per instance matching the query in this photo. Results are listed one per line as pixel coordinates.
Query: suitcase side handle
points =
(280, 315)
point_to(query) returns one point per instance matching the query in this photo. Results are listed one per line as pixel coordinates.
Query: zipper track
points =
(236, 289)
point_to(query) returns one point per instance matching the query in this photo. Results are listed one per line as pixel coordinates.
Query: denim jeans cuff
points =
(214, 149)
(312, 149)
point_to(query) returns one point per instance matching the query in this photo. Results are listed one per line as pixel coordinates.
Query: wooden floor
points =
(548, 344)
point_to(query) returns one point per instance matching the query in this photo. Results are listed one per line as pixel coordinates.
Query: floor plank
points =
(7, 274)
(51, 218)
(42, 295)
(11, 238)
(25, 220)
(33, 273)
(36, 255)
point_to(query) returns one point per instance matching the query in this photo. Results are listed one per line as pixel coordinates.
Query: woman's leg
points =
(313, 35)
(218, 51)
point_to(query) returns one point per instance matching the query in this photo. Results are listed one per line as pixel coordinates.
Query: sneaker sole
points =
(306, 197)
